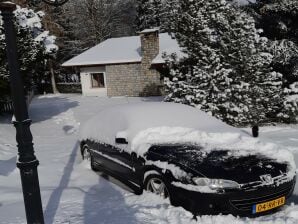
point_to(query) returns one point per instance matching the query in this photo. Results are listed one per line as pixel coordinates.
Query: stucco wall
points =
(87, 89)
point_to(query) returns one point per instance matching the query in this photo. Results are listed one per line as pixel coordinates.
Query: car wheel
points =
(156, 184)
(86, 153)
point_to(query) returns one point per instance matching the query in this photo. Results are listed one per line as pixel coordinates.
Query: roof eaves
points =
(89, 64)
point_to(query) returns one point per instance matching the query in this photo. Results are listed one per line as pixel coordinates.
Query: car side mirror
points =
(121, 141)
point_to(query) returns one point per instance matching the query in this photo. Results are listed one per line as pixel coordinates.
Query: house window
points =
(97, 80)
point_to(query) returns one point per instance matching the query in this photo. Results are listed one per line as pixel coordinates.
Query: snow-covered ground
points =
(72, 193)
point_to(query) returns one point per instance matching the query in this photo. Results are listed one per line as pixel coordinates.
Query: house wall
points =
(131, 79)
(138, 79)
(87, 89)
(124, 79)
(121, 80)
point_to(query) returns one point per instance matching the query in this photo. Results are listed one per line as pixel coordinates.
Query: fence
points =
(6, 107)
(69, 78)
(67, 83)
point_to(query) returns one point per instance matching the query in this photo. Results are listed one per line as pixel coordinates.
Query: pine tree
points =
(278, 19)
(151, 14)
(34, 47)
(227, 68)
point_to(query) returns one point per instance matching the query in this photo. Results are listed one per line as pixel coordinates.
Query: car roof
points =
(126, 121)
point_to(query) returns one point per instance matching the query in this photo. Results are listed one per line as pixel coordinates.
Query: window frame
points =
(104, 80)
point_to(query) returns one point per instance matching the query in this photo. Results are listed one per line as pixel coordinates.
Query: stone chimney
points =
(149, 45)
(149, 50)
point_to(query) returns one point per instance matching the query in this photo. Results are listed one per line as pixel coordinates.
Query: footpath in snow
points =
(72, 193)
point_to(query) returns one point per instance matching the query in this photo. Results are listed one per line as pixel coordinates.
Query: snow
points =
(168, 46)
(121, 50)
(244, 2)
(73, 194)
(27, 18)
(48, 41)
(130, 119)
(114, 50)
(177, 172)
(241, 145)
(150, 30)
(146, 124)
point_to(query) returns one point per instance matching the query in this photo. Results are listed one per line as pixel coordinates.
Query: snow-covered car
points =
(199, 162)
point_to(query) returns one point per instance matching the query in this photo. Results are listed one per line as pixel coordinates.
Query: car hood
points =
(225, 164)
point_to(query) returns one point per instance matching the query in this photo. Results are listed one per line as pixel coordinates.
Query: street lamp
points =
(27, 161)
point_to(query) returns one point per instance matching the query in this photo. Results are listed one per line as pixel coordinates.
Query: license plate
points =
(262, 207)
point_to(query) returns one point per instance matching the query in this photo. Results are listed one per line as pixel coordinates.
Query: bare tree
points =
(98, 20)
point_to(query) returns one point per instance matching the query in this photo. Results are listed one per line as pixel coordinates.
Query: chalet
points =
(126, 66)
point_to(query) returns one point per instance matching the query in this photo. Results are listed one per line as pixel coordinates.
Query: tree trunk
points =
(53, 81)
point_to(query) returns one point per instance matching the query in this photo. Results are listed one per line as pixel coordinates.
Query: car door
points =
(132, 165)
(121, 162)
(113, 159)
(104, 154)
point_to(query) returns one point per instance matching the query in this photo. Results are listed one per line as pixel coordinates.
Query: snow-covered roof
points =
(122, 50)
(169, 46)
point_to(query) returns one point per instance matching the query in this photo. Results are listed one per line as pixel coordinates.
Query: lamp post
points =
(27, 161)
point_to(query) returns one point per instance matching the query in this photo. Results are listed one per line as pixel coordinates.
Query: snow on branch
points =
(27, 18)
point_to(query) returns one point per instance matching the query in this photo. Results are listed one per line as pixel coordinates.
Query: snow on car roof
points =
(146, 124)
(129, 120)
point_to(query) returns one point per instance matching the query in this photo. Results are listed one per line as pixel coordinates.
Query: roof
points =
(122, 50)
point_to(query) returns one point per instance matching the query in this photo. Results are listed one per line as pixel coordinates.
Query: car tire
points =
(156, 184)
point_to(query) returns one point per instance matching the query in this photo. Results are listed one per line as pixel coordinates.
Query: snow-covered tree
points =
(227, 69)
(151, 14)
(278, 19)
(35, 45)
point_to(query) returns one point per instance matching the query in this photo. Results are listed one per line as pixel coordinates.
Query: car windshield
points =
(192, 155)
(188, 152)
(175, 149)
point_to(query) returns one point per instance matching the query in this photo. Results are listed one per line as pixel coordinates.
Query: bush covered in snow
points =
(34, 44)
(228, 69)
